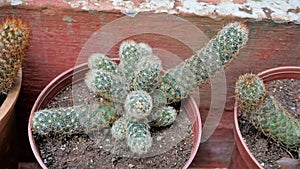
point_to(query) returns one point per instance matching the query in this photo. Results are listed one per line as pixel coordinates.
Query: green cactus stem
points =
(100, 61)
(119, 128)
(265, 112)
(73, 120)
(138, 104)
(178, 82)
(148, 74)
(159, 98)
(129, 54)
(163, 116)
(14, 38)
(107, 84)
(138, 136)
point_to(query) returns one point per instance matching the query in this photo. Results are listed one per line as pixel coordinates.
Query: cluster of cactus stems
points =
(145, 91)
(14, 38)
(265, 112)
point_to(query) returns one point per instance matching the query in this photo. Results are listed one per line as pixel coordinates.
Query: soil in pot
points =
(264, 149)
(83, 151)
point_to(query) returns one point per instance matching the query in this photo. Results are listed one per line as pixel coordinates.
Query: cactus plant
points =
(265, 112)
(146, 92)
(14, 38)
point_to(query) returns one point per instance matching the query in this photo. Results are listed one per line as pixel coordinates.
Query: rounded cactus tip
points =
(138, 104)
(119, 128)
(238, 26)
(17, 29)
(138, 136)
(250, 90)
(128, 49)
(145, 49)
(101, 61)
(163, 116)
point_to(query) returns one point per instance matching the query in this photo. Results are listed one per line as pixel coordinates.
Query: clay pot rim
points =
(283, 72)
(197, 126)
(11, 98)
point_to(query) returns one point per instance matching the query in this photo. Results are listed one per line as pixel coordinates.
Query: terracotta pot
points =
(242, 157)
(8, 126)
(77, 74)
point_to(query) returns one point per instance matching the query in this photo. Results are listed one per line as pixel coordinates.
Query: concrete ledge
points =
(276, 10)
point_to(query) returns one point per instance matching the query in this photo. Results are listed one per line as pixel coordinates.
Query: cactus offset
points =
(138, 136)
(265, 112)
(99, 61)
(107, 84)
(177, 83)
(163, 116)
(138, 104)
(73, 120)
(147, 75)
(119, 128)
(14, 38)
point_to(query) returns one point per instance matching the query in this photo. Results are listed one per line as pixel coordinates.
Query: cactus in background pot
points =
(14, 38)
(265, 112)
(146, 92)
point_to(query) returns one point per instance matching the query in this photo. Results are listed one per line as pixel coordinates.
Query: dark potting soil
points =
(264, 149)
(83, 151)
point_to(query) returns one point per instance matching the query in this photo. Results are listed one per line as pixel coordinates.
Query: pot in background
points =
(8, 125)
(242, 157)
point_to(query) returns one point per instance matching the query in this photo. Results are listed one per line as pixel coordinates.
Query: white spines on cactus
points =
(159, 98)
(138, 137)
(147, 76)
(73, 120)
(129, 54)
(138, 104)
(119, 128)
(163, 116)
(145, 49)
(100, 61)
(207, 62)
(107, 84)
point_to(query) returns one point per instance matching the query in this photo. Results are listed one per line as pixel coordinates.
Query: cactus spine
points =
(14, 38)
(265, 112)
(177, 83)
